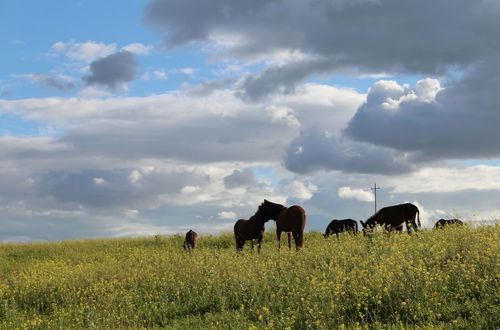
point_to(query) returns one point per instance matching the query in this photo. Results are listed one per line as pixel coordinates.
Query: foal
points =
(253, 228)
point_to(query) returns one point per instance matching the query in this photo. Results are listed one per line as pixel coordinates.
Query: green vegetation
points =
(437, 279)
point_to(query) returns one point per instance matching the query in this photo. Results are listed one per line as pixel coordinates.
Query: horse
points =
(292, 221)
(441, 223)
(393, 218)
(253, 228)
(191, 240)
(339, 226)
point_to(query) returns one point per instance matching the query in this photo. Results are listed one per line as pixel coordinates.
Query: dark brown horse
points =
(443, 223)
(253, 228)
(191, 240)
(393, 218)
(292, 221)
(339, 226)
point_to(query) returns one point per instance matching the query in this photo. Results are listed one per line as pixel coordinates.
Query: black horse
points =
(339, 226)
(444, 222)
(253, 228)
(393, 218)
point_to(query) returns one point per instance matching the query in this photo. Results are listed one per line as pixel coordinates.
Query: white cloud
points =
(283, 114)
(138, 49)
(83, 51)
(100, 182)
(134, 176)
(131, 213)
(188, 71)
(190, 189)
(449, 179)
(297, 189)
(358, 194)
(227, 215)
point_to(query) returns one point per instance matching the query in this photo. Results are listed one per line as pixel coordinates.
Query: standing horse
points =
(393, 218)
(191, 240)
(292, 221)
(339, 226)
(443, 222)
(253, 228)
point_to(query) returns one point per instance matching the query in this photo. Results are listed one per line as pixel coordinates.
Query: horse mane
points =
(263, 211)
(371, 219)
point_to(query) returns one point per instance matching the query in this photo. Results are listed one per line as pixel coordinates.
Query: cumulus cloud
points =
(358, 194)
(113, 71)
(457, 121)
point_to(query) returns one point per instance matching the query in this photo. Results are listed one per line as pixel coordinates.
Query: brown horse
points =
(292, 221)
(253, 228)
(191, 240)
(393, 218)
(339, 226)
(443, 222)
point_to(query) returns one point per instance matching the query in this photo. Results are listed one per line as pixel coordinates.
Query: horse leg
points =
(290, 240)
(259, 243)
(278, 233)
(408, 227)
(239, 243)
(252, 243)
(337, 233)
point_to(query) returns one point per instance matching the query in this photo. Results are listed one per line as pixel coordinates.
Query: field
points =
(436, 279)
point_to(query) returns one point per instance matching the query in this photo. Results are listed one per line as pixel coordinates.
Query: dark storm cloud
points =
(424, 37)
(113, 71)
(239, 178)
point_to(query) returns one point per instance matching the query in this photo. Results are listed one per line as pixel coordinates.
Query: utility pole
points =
(375, 193)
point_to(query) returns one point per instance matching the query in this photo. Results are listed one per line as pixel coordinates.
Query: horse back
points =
(246, 229)
(190, 239)
(292, 219)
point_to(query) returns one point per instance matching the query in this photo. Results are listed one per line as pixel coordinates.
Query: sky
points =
(147, 117)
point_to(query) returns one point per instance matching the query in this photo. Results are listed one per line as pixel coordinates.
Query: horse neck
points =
(258, 218)
(372, 220)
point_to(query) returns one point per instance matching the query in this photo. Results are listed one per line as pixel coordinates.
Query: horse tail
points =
(302, 219)
(418, 219)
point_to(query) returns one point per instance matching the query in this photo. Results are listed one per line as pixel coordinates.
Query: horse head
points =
(271, 210)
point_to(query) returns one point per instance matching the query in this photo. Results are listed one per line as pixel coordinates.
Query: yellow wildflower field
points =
(434, 279)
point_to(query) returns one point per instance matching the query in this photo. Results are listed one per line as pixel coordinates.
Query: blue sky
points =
(157, 116)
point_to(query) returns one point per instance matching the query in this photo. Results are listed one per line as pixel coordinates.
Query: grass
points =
(436, 279)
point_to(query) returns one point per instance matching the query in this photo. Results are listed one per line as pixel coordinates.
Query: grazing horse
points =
(393, 218)
(339, 226)
(443, 222)
(292, 221)
(191, 240)
(253, 228)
